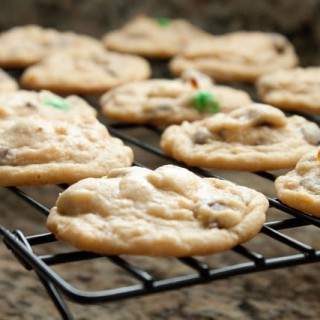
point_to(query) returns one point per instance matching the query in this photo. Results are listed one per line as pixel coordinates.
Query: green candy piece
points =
(163, 22)
(205, 102)
(57, 103)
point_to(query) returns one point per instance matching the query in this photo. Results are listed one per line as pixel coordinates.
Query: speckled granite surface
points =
(284, 294)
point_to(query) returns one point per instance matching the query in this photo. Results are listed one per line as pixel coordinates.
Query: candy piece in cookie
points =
(300, 188)
(166, 212)
(205, 102)
(85, 72)
(152, 37)
(253, 138)
(239, 56)
(23, 46)
(294, 89)
(43, 104)
(7, 83)
(37, 151)
(191, 97)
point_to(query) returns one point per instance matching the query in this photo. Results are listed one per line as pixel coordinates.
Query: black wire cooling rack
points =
(246, 259)
(59, 289)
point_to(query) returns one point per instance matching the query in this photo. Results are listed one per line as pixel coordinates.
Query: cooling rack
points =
(59, 289)
(246, 259)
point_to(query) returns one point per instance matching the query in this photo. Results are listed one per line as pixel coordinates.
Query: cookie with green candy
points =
(43, 104)
(38, 151)
(152, 37)
(191, 97)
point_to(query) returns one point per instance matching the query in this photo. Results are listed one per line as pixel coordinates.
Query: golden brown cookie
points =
(7, 83)
(239, 56)
(23, 46)
(166, 212)
(300, 188)
(164, 101)
(292, 89)
(44, 104)
(151, 37)
(85, 72)
(253, 138)
(37, 151)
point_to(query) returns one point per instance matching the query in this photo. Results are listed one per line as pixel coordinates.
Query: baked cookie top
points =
(300, 188)
(35, 151)
(7, 83)
(294, 89)
(43, 104)
(162, 102)
(253, 138)
(85, 72)
(23, 46)
(150, 37)
(238, 56)
(166, 212)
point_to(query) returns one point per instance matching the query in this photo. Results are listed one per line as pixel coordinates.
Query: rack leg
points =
(56, 299)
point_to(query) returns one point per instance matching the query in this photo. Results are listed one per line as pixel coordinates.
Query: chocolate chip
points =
(4, 153)
(6, 156)
(201, 136)
(264, 123)
(160, 111)
(31, 105)
(213, 225)
(216, 206)
(278, 44)
(110, 71)
(208, 218)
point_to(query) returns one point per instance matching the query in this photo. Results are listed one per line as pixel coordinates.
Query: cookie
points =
(23, 46)
(166, 212)
(239, 56)
(7, 83)
(164, 101)
(253, 138)
(300, 187)
(44, 104)
(36, 151)
(152, 38)
(293, 89)
(85, 72)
